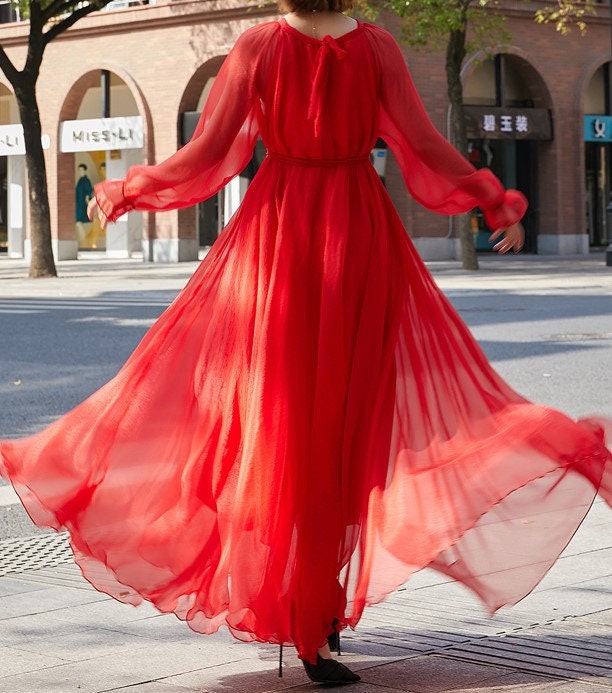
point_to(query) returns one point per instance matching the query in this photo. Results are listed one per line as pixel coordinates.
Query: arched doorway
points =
(103, 131)
(212, 214)
(508, 113)
(598, 155)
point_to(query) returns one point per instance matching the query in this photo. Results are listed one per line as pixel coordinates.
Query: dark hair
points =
(83, 166)
(315, 5)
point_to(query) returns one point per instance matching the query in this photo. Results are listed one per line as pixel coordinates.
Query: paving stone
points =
(577, 568)
(155, 687)
(261, 673)
(562, 602)
(603, 618)
(121, 669)
(98, 612)
(38, 682)
(164, 627)
(83, 643)
(16, 661)
(43, 601)
(17, 632)
(13, 585)
(246, 674)
(507, 683)
(431, 674)
(520, 683)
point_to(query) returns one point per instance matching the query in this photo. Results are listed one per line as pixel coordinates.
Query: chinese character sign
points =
(489, 122)
(507, 123)
(521, 123)
(493, 122)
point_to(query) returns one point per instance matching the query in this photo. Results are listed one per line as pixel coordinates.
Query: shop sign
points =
(495, 123)
(597, 128)
(12, 141)
(101, 134)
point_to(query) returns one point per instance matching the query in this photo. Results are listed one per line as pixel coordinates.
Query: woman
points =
(310, 422)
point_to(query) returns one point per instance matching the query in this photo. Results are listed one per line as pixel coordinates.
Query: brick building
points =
(125, 85)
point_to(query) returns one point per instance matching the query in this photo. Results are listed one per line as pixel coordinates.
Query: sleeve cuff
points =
(111, 199)
(509, 212)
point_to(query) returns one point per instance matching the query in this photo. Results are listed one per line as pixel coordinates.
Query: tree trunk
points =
(58, 17)
(42, 263)
(455, 53)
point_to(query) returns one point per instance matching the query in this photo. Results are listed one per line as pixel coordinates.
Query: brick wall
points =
(165, 53)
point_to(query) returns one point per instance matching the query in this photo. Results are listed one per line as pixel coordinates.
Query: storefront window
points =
(598, 156)
(105, 142)
(504, 129)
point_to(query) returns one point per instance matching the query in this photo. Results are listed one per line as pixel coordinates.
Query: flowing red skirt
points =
(308, 424)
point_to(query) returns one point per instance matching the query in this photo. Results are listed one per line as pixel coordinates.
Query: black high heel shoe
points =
(329, 671)
(333, 641)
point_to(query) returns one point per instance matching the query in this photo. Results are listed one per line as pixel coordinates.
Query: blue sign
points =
(597, 128)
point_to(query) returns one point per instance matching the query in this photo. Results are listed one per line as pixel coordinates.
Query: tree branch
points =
(58, 7)
(36, 44)
(68, 21)
(35, 18)
(10, 71)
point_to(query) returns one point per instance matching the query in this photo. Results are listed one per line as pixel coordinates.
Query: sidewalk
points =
(59, 635)
(93, 273)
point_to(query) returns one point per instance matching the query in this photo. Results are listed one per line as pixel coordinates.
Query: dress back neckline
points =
(312, 39)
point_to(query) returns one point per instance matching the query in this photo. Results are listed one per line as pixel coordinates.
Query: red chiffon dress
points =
(310, 422)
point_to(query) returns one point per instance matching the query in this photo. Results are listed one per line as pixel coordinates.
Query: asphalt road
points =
(545, 324)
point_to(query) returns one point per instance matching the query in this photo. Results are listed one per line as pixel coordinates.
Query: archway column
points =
(173, 239)
(561, 215)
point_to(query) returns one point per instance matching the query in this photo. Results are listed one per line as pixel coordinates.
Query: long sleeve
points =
(435, 173)
(220, 148)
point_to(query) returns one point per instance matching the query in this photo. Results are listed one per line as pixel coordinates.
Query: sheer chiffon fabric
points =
(310, 422)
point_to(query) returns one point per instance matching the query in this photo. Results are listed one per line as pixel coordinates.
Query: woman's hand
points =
(513, 238)
(94, 210)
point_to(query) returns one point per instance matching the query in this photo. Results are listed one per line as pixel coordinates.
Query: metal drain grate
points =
(413, 624)
(544, 651)
(33, 553)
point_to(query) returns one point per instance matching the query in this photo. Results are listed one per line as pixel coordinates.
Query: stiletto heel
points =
(280, 662)
(333, 640)
(329, 671)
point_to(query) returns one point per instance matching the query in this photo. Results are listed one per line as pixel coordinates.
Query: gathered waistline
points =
(314, 163)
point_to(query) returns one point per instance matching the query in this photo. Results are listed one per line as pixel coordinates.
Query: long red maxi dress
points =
(310, 422)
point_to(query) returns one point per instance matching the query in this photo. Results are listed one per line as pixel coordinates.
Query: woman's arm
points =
(220, 148)
(436, 174)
